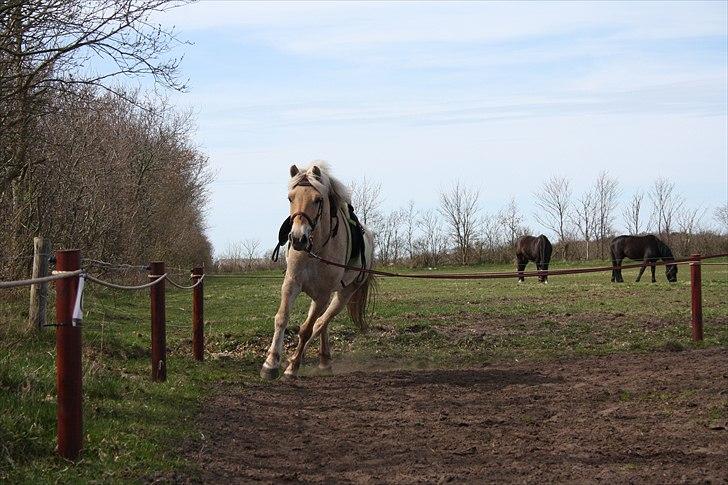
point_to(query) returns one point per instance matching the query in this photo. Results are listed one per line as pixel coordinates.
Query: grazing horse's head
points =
(307, 205)
(666, 255)
(671, 272)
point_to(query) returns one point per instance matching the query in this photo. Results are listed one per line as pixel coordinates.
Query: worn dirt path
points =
(656, 418)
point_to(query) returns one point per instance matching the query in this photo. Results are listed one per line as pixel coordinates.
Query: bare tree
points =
(586, 217)
(666, 204)
(389, 238)
(721, 217)
(366, 197)
(250, 251)
(606, 192)
(688, 223)
(432, 243)
(634, 216)
(459, 207)
(554, 200)
(511, 219)
(409, 215)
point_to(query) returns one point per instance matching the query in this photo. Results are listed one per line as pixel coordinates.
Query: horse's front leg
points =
(289, 292)
(520, 267)
(304, 334)
(642, 270)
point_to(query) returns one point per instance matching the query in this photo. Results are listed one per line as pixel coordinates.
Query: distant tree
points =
(432, 243)
(634, 216)
(666, 204)
(554, 200)
(366, 197)
(459, 207)
(511, 219)
(606, 192)
(688, 223)
(586, 216)
(409, 215)
(721, 217)
(250, 249)
(389, 238)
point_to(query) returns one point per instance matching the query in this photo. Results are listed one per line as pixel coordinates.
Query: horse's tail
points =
(359, 303)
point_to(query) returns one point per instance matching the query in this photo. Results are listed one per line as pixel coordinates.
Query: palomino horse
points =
(647, 249)
(319, 224)
(537, 249)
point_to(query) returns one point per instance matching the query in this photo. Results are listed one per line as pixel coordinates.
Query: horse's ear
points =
(316, 171)
(294, 170)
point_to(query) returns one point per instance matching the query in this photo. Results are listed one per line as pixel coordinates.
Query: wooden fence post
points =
(198, 325)
(159, 336)
(696, 287)
(39, 292)
(68, 360)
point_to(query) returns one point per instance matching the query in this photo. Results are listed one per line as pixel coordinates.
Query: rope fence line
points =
(125, 287)
(511, 274)
(190, 287)
(44, 279)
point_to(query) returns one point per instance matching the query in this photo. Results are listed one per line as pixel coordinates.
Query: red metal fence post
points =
(159, 336)
(69, 411)
(198, 328)
(696, 286)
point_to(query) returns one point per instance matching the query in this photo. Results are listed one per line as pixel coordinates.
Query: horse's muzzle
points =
(302, 243)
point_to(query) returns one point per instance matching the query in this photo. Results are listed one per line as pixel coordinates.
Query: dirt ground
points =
(658, 418)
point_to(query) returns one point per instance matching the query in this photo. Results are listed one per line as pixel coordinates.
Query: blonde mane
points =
(326, 183)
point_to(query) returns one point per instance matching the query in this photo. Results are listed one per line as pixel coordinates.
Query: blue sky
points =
(416, 95)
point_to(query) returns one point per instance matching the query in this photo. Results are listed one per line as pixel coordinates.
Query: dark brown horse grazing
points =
(536, 249)
(647, 249)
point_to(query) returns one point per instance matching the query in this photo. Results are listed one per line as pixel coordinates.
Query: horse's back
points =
(634, 247)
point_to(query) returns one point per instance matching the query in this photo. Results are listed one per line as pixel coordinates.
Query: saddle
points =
(356, 246)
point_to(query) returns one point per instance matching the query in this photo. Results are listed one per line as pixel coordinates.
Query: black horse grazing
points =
(647, 249)
(537, 249)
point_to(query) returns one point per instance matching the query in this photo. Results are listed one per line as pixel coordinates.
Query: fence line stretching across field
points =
(511, 274)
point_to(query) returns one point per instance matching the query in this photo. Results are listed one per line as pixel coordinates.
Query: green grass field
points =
(134, 428)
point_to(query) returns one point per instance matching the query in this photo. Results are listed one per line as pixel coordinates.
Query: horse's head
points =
(307, 205)
(671, 272)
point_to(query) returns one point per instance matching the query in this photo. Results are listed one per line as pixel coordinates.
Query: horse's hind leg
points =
(652, 267)
(617, 271)
(545, 278)
(325, 353)
(289, 292)
(304, 334)
(642, 270)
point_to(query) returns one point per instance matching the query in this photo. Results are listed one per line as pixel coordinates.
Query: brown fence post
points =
(696, 286)
(39, 292)
(159, 336)
(198, 326)
(68, 360)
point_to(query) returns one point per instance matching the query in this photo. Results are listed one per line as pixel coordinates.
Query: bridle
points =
(314, 222)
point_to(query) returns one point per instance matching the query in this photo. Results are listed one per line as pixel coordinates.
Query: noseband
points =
(314, 222)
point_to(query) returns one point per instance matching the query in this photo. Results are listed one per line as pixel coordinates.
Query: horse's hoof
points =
(289, 376)
(269, 374)
(324, 371)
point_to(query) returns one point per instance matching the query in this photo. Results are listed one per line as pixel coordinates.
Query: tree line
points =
(580, 225)
(86, 161)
